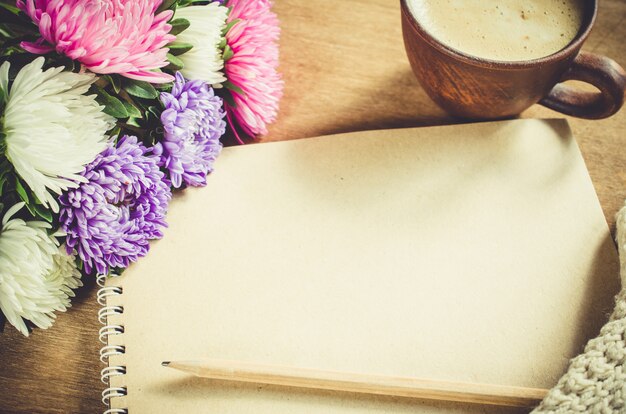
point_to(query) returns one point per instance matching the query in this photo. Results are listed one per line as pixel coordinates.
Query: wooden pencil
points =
(362, 383)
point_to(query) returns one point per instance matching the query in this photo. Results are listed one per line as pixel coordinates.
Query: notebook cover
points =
(467, 253)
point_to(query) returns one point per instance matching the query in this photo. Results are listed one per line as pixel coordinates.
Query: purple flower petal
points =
(110, 218)
(193, 122)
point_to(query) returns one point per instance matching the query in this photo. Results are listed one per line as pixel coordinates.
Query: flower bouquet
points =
(107, 107)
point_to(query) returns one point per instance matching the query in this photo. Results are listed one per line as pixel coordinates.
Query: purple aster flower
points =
(110, 218)
(193, 121)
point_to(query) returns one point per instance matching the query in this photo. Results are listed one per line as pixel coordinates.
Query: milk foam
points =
(504, 30)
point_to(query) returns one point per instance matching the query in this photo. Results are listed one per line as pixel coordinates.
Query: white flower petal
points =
(36, 275)
(11, 212)
(4, 77)
(52, 129)
(204, 61)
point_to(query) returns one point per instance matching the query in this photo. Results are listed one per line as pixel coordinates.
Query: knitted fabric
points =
(595, 381)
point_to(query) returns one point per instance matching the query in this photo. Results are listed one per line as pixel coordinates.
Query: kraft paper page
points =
(468, 253)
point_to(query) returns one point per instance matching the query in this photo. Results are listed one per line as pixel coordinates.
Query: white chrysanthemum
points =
(36, 275)
(204, 61)
(52, 129)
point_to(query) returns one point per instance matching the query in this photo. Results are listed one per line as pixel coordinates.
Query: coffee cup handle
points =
(599, 71)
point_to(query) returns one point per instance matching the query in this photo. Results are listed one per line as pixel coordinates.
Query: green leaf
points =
(228, 98)
(230, 26)
(117, 271)
(230, 86)
(179, 26)
(116, 131)
(21, 191)
(185, 3)
(228, 53)
(37, 201)
(178, 48)
(10, 8)
(112, 105)
(6, 15)
(31, 210)
(155, 112)
(141, 89)
(133, 122)
(115, 82)
(43, 212)
(167, 4)
(133, 112)
(163, 87)
(3, 181)
(175, 63)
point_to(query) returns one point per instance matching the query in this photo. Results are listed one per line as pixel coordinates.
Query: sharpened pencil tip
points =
(165, 363)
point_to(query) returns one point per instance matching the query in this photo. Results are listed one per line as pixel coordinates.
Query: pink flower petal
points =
(152, 77)
(252, 68)
(35, 48)
(106, 36)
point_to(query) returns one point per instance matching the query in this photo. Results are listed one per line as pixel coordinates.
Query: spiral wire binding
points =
(109, 350)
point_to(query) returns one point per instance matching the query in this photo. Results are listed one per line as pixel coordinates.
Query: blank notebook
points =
(470, 253)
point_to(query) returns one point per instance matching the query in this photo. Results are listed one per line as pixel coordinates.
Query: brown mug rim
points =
(568, 50)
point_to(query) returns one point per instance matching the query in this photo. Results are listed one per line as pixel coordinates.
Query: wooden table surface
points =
(345, 70)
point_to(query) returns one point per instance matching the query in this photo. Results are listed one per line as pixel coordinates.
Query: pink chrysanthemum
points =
(106, 36)
(252, 68)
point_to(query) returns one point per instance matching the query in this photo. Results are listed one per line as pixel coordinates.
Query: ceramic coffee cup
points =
(471, 87)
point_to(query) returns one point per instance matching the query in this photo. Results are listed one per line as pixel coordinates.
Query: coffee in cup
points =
(510, 30)
(490, 60)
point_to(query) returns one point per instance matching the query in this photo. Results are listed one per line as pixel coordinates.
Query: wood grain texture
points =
(345, 70)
